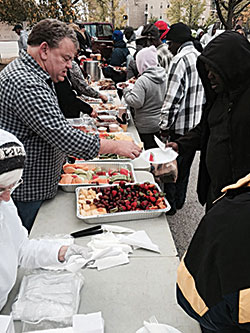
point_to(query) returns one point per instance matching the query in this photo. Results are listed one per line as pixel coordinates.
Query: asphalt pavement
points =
(184, 223)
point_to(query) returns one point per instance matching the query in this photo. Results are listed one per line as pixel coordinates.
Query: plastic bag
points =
(166, 172)
(48, 295)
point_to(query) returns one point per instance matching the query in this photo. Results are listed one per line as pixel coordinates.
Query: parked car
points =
(101, 37)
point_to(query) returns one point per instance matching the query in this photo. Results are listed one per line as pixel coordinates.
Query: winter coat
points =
(119, 54)
(147, 98)
(70, 104)
(213, 284)
(223, 134)
(206, 38)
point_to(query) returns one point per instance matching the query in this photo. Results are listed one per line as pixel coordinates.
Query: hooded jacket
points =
(223, 134)
(119, 54)
(147, 98)
(213, 284)
(206, 38)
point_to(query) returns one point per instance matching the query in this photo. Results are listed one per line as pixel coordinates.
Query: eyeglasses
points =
(11, 188)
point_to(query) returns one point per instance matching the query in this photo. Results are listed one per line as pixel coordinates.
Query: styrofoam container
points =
(105, 166)
(120, 216)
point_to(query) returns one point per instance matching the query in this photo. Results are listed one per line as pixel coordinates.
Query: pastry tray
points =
(105, 166)
(120, 216)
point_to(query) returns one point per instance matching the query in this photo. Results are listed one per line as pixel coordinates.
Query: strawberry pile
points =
(129, 197)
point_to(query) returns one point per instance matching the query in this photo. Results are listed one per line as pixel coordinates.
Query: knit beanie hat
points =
(180, 33)
(12, 155)
(146, 58)
(117, 35)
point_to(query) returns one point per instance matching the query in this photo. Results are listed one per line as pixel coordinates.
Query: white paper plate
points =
(129, 85)
(159, 156)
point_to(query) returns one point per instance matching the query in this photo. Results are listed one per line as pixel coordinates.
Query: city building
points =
(140, 12)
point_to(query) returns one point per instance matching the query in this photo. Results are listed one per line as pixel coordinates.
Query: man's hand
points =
(172, 145)
(128, 149)
(104, 98)
(123, 148)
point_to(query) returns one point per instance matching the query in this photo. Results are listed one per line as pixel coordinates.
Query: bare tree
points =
(229, 10)
(186, 11)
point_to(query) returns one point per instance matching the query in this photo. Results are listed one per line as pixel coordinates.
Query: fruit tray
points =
(105, 166)
(120, 215)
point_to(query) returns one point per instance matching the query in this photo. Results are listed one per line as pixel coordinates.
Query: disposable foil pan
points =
(123, 159)
(110, 112)
(121, 216)
(105, 166)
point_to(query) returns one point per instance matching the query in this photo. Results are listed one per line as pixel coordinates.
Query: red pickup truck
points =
(101, 37)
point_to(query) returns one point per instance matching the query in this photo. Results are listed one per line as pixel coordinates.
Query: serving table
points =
(129, 294)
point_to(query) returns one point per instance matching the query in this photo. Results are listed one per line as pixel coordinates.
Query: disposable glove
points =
(77, 250)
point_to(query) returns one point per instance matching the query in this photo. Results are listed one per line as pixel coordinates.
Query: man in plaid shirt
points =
(29, 109)
(182, 108)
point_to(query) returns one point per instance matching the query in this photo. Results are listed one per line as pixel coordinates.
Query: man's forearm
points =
(108, 147)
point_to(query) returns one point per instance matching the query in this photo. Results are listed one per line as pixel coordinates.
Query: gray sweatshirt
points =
(147, 97)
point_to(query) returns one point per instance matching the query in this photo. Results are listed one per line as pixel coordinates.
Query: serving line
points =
(138, 163)
(129, 294)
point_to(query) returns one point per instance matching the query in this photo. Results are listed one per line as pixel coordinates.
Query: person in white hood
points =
(210, 35)
(147, 95)
(15, 247)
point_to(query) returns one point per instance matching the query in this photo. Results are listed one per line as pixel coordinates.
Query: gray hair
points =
(52, 32)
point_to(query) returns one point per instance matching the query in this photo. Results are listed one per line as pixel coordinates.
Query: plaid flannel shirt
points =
(182, 108)
(164, 56)
(29, 109)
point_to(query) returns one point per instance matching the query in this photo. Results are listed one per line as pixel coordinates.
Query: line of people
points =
(204, 108)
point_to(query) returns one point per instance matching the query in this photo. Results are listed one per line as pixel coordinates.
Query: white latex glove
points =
(77, 250)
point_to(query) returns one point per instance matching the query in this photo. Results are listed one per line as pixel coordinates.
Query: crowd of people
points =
(190, 92)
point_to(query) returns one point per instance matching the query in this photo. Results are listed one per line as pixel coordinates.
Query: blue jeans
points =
(27, 212)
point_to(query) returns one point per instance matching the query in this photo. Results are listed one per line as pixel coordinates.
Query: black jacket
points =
(69, 103)
(217, 261)
(227, 114)
(119, 54)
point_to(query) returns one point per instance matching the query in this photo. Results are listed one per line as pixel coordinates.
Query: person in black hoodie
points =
(213, 279)
(223, 134)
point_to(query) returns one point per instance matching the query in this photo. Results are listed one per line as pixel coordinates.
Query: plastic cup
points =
(122, 110)
(113, 128)
(102, 129)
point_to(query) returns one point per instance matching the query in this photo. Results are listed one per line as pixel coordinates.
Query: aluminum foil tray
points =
(110, 112)
(125, 159)
(121, 216)
(91, 100)
(104, 165)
